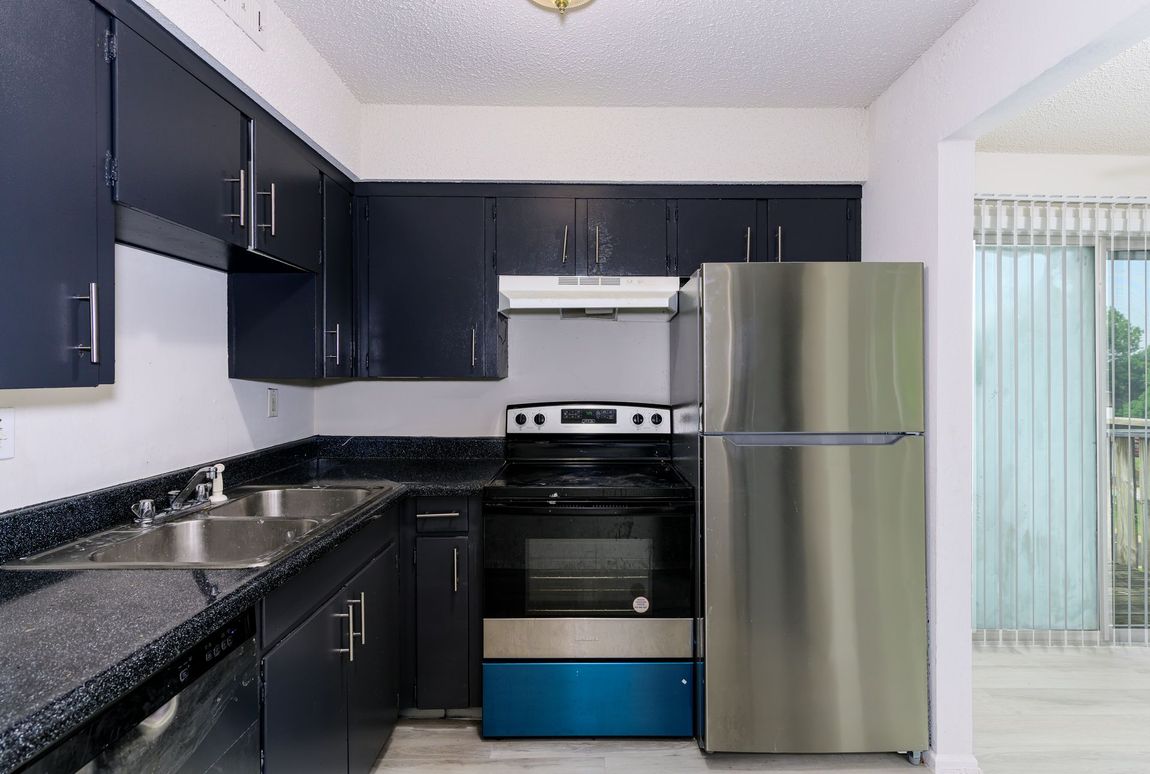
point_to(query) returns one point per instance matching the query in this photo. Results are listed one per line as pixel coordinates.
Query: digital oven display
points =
(588, 417)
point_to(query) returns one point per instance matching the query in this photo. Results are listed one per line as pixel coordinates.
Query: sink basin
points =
(206, 543)
(252, 529)
(322, 504)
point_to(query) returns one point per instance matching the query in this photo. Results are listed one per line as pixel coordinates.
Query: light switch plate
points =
(7, 433)
(273, 402)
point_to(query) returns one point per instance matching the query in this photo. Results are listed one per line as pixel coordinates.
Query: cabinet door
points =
(626, 237)
(55, 213)
(272, 325)
(809, 230)
(180, 147)
(372, 678)
(337, 281)
(441, 608)
(535, 236)
(427, 280)
(289, 199)
(305, 708)
(713, 231)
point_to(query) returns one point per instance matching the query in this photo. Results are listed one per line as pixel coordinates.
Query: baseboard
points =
(951, 764)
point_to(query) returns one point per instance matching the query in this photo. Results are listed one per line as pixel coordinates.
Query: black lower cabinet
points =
(305, 710)
(441, 621)
(372, 678)
(330, 682)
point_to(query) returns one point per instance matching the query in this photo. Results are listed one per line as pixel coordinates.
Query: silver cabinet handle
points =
(596, 245)
(564, 245)
(93, 299)
(337, 347)
(779, 244)
(444, 515)
(455, 569)
(350, 649)
(362, 602)
(243, 187)
(473, 346)
(272, 194)
(748, 258)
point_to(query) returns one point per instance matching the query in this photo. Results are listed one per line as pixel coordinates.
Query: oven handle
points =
(572, 508)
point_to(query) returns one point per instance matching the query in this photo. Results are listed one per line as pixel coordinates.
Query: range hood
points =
(631, 298)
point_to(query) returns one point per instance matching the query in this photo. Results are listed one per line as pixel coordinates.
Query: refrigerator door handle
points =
(812, 439)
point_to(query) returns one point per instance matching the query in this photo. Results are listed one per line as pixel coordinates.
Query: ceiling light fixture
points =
(560, 5)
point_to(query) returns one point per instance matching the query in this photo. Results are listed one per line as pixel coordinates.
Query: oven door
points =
(587, 579)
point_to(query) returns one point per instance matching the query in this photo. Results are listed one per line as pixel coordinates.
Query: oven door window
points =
(567, 563)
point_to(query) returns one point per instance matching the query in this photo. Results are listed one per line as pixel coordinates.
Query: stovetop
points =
(588, 451)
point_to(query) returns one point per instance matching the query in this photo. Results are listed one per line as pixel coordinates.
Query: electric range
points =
(588, 535)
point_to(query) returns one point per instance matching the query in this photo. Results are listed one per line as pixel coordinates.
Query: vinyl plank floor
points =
(455, 747)
(1062, 710)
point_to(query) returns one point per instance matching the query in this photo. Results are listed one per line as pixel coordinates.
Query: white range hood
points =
(631, 298)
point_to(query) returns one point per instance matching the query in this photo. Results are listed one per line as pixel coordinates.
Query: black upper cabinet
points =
(430, 289)
(55, 211)
(809, 230)
(535, 236)
(181, 148)
(288, 199)
(442, 622)
(272, 325)
(338, 299)
(713, 231)
(625, 237)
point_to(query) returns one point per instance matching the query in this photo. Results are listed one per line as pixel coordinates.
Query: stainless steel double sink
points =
(252, 529)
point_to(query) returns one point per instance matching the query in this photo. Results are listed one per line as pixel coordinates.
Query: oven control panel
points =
(584, 418)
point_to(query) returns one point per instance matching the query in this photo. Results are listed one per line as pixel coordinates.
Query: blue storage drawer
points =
(589, 698)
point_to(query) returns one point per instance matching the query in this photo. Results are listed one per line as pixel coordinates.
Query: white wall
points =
(689, 145)
(289, 77)
(1001, 56)
(549, 359)
(1058, 174)
(172, 404)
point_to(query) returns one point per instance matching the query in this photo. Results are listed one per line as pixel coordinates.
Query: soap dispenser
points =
(218, 495)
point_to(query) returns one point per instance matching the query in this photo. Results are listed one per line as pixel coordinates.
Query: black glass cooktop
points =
(592, 480)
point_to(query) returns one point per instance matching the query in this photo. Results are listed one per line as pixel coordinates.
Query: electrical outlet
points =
(273, 402)
(7, 433)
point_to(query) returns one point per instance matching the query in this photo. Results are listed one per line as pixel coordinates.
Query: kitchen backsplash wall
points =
(172, 404)
(549, 359)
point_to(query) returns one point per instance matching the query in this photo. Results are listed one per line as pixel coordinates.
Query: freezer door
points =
(814, 597)
(812, 347)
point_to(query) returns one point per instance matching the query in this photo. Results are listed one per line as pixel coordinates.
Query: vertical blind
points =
(1062, 367)
(1036, 512)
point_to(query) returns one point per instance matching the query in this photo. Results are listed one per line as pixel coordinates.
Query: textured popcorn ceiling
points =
(701, 53)
(1106, 111)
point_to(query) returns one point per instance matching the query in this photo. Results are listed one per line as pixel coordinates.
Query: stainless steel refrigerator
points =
(798, 415)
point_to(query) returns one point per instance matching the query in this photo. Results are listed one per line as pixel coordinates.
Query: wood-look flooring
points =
(455, 747)
(1051, 710)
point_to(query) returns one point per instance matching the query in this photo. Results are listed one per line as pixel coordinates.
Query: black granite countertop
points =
(421, 476)
(73, 642)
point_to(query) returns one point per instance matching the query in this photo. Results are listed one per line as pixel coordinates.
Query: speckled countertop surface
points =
(73, 642)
